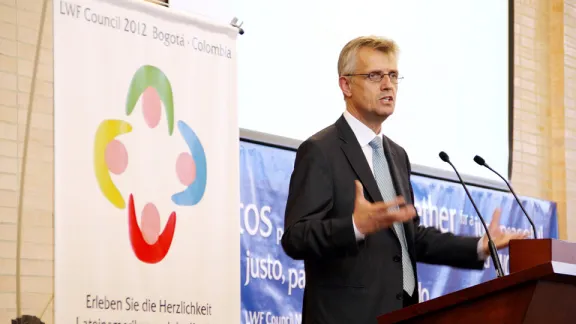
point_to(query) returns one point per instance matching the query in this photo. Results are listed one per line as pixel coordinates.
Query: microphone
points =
(480, 161)
(492, 247)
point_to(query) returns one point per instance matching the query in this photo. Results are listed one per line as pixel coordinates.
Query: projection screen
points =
(455, 59)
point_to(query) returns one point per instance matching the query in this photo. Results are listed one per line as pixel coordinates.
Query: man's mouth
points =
(387, 99)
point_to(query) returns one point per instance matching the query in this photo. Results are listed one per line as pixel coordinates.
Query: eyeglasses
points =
(377, 76)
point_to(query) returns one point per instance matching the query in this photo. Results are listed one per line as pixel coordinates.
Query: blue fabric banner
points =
(272, 283)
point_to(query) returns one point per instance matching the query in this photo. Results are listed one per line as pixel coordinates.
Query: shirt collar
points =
(362, 132)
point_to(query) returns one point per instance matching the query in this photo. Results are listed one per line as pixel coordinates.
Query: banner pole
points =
(24, 164)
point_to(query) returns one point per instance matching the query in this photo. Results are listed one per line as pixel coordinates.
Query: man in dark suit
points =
(349, 213)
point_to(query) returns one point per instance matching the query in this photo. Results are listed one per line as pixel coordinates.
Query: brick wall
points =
(19, 28)
(544, 147)
(545, 105)
(570, 115)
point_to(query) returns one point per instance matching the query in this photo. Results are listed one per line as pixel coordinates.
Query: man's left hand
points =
(501, 239)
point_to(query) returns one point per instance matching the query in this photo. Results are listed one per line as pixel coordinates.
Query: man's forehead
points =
(374, 59)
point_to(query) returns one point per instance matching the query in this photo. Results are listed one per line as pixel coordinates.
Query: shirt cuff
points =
(359, 236)
(480, 250)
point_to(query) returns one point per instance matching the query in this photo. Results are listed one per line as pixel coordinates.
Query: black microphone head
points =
(478, 159)
(444, 156)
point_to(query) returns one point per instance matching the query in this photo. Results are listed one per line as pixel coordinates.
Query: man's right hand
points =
(372, 217)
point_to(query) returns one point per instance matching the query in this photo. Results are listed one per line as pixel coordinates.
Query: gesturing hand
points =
(501, 238)
(372, 217)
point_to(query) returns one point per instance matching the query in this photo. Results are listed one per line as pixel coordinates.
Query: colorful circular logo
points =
(152, 88)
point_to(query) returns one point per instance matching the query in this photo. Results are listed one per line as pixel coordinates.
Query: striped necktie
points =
(384, 180)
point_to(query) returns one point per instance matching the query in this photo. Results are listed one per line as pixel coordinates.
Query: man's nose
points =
(386, 83)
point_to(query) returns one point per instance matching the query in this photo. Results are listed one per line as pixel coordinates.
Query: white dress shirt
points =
(364, 135)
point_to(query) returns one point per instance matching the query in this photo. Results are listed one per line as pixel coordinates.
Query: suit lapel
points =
(391, 158)
(398, 183)
(357, 160)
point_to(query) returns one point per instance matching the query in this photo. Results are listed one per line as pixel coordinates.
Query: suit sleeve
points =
(309, 232)
(436, 247)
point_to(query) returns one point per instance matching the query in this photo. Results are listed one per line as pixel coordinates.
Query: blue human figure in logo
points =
(195, 191)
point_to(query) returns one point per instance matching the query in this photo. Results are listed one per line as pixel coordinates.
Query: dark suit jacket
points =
(349, 281)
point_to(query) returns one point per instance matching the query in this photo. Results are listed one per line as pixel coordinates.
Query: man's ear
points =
(345, 85)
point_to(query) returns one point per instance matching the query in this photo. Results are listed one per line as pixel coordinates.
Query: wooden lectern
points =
(541, 288)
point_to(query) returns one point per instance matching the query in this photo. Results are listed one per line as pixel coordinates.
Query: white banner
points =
(146, 166)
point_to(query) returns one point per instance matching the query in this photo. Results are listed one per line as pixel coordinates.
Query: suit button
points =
(399, 296)
(397, 258)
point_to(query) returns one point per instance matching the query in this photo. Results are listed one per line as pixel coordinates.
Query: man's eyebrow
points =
(383, 71)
